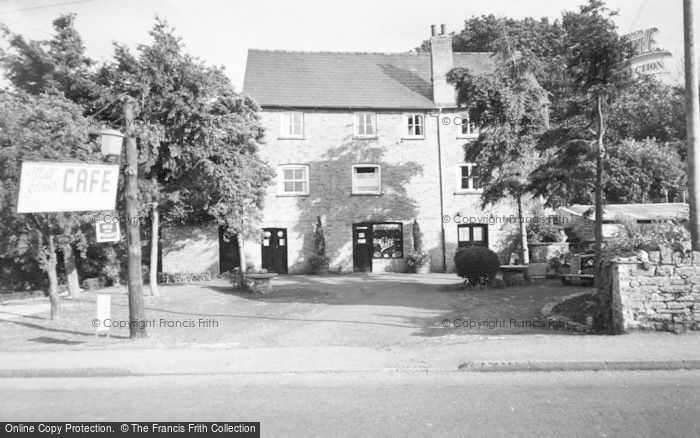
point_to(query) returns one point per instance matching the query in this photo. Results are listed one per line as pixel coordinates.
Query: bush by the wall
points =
(476, 264)
(183, 277)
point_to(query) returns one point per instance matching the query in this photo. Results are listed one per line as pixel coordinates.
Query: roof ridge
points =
(334, 52)
(341, 52)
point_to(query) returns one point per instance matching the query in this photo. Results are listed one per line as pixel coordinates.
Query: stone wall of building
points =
(410, 173)
(190, 250)
(655, 291)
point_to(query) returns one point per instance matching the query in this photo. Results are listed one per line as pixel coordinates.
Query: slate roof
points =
(347, 80)
(637, 212)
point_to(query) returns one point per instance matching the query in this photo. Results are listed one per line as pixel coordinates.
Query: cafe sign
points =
(48, 186)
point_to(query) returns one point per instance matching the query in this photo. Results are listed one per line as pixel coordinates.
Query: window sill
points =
(421, 137)
(367, 194)
(291, 195)
(468, 137)
(291, 138)
(364, 137)
(469, 192)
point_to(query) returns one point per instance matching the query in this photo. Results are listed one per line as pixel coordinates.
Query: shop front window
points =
(387, 240)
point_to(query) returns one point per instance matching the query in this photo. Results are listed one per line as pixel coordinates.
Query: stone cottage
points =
(369, 142)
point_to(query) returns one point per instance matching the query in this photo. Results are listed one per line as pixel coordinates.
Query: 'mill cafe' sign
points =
(47, 187)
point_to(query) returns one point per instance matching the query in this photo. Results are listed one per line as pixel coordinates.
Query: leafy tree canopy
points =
(58, 64)
(44, 127)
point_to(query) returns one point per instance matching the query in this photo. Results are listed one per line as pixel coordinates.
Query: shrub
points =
(183, 277)
(560, 261)
(417, 259)
(476, 264)
(540, 228)
(632, 236)
(236, 279)
(318, 262)
(514, 279)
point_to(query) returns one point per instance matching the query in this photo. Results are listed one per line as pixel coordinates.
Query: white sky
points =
(220, 31)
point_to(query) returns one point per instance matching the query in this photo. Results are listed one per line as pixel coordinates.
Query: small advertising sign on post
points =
(104, 303)
(107, 231)
(52, 186)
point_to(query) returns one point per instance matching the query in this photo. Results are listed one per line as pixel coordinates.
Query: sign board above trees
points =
(647, 59)
(47, 186)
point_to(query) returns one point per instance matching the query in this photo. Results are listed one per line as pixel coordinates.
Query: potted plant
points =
(318, 262)
(546, 239)
(417, 260)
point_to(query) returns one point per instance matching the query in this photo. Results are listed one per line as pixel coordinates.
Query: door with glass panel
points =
(274, 250)
(472, 235)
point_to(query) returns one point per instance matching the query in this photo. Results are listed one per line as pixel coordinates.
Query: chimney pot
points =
(441, 62)
(433, 29)
(443, 29)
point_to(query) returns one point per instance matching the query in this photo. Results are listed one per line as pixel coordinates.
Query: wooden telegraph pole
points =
(692, 111)
(137, 319)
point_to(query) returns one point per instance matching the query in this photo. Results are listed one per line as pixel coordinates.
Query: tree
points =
(643, 171)
(511, 109)
(597, 69)
(57, 66)
(484, 33)
(197, 137)
(648, 109)
(39, 127)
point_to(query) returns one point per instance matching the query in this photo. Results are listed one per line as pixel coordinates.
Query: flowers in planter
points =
(417, 259)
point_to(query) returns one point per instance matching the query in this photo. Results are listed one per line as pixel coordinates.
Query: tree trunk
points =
(53, 279)
(71, 271)
(241, 257)
(599, 192)
(153, 271)
(524, 252)
(137, 318)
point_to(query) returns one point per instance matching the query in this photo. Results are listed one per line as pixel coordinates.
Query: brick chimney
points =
(441, 63)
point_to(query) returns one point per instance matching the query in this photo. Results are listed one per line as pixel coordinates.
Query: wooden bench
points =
(261, 282)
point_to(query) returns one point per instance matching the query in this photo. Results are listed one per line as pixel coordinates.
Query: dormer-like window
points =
(365, 124)
(414, 125)
(468, 177)
(291, 124)
(293, 180)
(466, 128)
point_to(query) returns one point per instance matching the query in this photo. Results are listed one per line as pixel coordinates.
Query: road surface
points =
(387, 404)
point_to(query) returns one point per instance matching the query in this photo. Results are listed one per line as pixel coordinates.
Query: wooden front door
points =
(472, 235)
(229, 256)
(274, 250)
(362, 247)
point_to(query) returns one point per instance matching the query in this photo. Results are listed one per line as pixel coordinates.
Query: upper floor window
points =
(467, 128)
(366, 179)
(365, 124)
(414, 125)
(293, 179)
(468, 177)
(291, 124)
